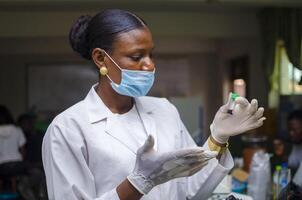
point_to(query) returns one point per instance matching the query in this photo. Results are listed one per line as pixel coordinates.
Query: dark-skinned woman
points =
(119, 144)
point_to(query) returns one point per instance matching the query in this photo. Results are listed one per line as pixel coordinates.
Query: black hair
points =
(101, 30)
(296, 114)
(5, 116)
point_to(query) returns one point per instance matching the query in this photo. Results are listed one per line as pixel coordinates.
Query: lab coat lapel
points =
(145, 110)
(115, 128)
(98, 111)
(150, 126)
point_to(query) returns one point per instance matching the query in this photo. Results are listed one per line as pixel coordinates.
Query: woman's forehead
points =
(135, 39)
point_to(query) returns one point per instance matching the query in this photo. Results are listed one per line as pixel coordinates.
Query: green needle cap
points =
(234, 96)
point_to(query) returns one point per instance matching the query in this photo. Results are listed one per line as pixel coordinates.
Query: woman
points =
(117, 144)
(12, 143)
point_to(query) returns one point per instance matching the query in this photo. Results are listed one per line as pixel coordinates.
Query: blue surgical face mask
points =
(134, 83)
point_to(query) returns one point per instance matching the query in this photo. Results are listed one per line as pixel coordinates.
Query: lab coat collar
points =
(98, 111)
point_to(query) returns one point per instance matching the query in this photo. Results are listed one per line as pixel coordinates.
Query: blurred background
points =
(204, 49)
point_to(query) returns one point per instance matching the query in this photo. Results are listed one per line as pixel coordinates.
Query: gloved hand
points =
(153, 168)
(245, 116)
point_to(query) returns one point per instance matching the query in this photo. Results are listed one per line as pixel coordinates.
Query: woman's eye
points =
(135, 58)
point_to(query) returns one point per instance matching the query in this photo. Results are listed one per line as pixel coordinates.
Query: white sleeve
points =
(21, 138)
(68, 176)
(203, 183)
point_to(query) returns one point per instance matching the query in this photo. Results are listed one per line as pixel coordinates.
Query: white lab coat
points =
(86, 154)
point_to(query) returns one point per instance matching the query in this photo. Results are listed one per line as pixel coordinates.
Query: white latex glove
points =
(153, 168)
(245, 116)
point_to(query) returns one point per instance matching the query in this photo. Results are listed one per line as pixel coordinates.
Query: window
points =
(285, 79)
(290, 76)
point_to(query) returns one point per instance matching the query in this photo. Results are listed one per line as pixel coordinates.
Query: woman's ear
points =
(98, 56)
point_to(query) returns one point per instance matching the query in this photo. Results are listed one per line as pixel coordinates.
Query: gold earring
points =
(103, 71)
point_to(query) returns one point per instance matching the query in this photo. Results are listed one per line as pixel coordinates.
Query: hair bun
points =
(77, 36)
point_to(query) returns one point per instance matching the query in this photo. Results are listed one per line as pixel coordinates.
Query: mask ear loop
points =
(112, 60)
(115, 65)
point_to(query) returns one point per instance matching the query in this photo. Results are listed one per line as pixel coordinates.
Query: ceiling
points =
(143, 5)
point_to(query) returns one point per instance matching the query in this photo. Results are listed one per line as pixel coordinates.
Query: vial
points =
(234, 95)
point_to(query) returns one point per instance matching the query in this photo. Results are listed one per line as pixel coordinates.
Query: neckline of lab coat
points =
(98, 111)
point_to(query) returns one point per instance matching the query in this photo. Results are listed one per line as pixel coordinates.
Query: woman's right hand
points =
(153, 168)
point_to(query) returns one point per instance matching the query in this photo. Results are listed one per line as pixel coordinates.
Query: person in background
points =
(12, 153)
(294, 124)
(119, 144)
(34, 139)
(280, 153)
(12, 142)
(33, 159)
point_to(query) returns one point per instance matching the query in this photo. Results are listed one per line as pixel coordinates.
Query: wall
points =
(214, 23)
(207, 38)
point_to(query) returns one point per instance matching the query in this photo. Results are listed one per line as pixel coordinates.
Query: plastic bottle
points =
(285, 176)
(259, 185)
(276, 185)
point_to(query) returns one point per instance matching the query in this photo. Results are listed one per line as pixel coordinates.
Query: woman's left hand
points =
(244, 117)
